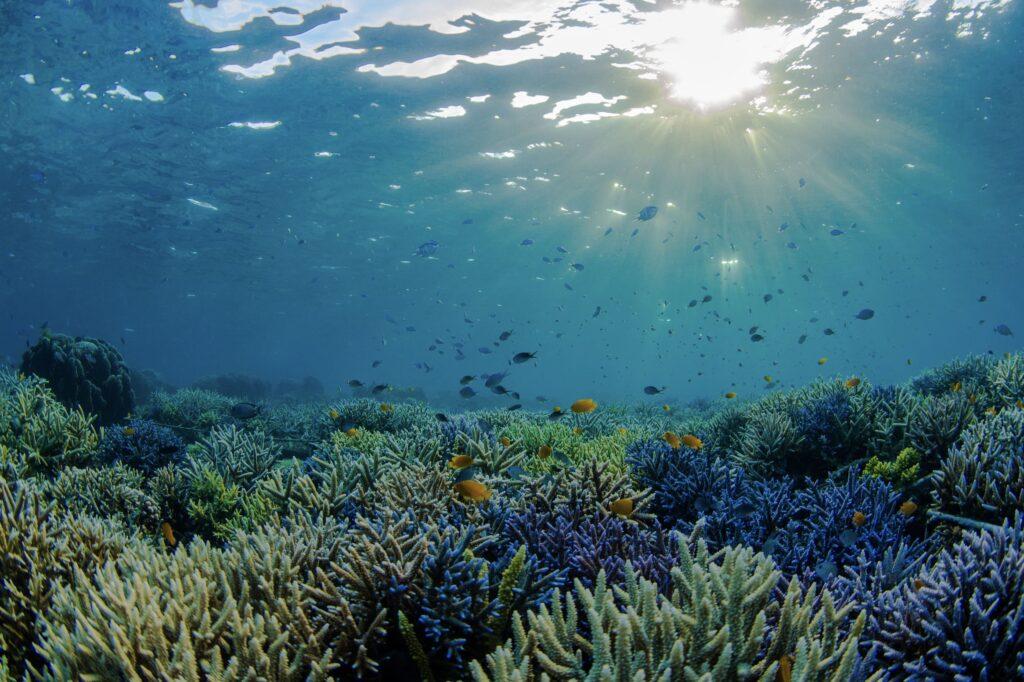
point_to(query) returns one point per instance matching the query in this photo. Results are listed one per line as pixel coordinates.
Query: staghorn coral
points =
(936, 426)
(241, 457)
(41, 435)
(189, 410)
(114, 493)
(203, 613)
(83, 373)
(983, 476)
(963, 615)
(902, 471)
(141, 444)
(1006, 379)
(723, 620)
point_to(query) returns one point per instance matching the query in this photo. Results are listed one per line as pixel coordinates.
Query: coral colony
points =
(839, 531)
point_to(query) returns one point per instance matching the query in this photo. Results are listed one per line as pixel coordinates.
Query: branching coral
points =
(42, 434)
(141, 444)
(983, 476)
(724, 620)
(963, 615)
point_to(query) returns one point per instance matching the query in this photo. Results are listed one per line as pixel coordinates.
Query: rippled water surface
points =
(379, 189)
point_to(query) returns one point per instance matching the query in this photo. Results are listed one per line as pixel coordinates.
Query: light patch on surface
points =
(452, 111)
(255, 125)
(510, 154)
(522, 99)
(226, 48)
(153, 96)
(580, 100)
(28, 78)
(477, 99)
(121, 91)
(202, 204)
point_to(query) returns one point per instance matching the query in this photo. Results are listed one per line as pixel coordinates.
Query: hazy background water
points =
(243, 188)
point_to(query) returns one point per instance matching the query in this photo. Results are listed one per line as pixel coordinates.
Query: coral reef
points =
(83, 372)
(838, 531)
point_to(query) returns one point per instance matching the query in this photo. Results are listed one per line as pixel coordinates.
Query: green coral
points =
(903, 471)
(218, 509)
(725, 620)
(39, 434)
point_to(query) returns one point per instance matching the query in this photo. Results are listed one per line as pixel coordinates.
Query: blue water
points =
(286, 188)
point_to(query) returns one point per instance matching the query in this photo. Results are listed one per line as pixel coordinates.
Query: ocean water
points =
(244, 187)
(345, 339)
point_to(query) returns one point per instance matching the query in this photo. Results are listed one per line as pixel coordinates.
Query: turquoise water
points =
(289, 188)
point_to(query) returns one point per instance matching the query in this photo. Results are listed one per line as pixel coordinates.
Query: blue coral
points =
(141, 444)
(579, 543)
(962, 617)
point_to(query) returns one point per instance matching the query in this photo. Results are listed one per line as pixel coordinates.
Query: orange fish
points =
(623, 507)
(168, 533)
(852, 382)
(730, 395)
(506, 441)
(460, 461)
(473, 490)
(544, 451)
(918, 583)
(859, 519)
(672, 439)
(908, 508)
(691, 441)
(584, 405)
(786, 668)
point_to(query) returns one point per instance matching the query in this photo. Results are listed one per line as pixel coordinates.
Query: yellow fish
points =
(557, 410)
(972, 399)
(852, 382)
(21, 376)
(352, 433)
(730, 395)
(623, 507)
(334, 415)
(168, 533)
(859, 519)
(584, 405)
(786, 668)
(577, 430)
(385, 407)
(822, 361)
(505, 441)
(908, 508)
(767, 378)
(544, 451)
(129, 431)
(992, 411)
(666, 408)
(473, 490)
(691, 441)
(1020, 404)
(955, 386)
(623, 431)
(460, 461)
(672, 439)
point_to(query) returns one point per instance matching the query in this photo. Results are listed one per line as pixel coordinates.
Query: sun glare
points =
(708, 61)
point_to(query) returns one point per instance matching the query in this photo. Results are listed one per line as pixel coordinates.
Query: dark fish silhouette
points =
(647, 212)
(245, 411)
(865, 314)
